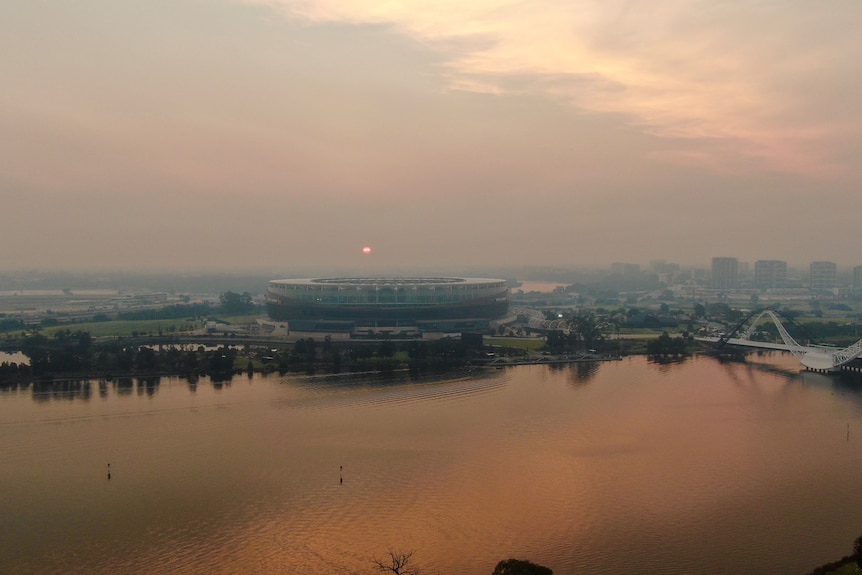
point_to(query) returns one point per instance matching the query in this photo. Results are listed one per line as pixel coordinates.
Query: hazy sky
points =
(282, 133)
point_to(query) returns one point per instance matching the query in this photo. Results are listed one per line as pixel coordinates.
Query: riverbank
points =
(844, 566)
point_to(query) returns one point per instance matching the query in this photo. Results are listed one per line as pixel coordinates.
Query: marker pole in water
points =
(109, 471)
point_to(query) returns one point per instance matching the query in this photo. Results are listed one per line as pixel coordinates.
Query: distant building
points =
(626, 271)
(663, 267)
(857, 277)
(725, 273)
(402, 305)
(665, 272)
(822, 275)
(770, 274)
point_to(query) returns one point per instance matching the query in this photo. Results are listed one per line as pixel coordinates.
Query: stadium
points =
(387, 305)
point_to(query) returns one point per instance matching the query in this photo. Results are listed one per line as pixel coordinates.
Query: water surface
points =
(628, 466)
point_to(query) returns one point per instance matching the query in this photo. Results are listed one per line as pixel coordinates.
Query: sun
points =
(366, 250)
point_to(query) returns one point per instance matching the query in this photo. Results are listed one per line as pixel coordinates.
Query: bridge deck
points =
(747, 343)
(819, 357)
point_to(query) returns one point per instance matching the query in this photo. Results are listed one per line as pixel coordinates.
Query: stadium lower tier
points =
(362, 304)
(283, 309)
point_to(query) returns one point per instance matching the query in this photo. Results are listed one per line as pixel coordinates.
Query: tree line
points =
(665, 346)
(76, 354)
(69, 353)
(231, 303)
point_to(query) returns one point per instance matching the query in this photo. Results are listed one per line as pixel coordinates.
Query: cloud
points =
(738, 86)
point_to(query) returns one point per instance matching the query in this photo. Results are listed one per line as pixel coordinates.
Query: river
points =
(618, 467)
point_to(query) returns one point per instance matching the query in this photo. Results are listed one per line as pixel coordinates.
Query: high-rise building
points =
(770, 274)
(626, 271)
(822, 275)
(725, 273)
(666, 272)
(857, 277)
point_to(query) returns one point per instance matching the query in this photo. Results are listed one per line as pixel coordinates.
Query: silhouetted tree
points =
(398, 563)
(520, 567)
(386, 348)
(36, 347)
(232, 302)
(664, 345)
(857, 551)
(145, 358)
(310, 349)
(417, 349)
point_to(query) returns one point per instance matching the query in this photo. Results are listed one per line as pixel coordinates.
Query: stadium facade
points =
(387, 305)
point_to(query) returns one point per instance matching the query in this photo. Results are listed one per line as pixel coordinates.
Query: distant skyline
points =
(281, 134)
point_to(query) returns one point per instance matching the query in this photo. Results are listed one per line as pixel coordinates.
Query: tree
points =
(664, 346)
(520, 567)
(857, 551)
(234, 303)
(36, 347)
(145, 359)
(587, 329)
(398, 563)
(386, 348)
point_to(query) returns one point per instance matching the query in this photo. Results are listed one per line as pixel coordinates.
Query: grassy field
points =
(642, 333)
(238, 319)
(127, 327)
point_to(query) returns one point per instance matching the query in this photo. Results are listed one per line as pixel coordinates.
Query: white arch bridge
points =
(817, 357)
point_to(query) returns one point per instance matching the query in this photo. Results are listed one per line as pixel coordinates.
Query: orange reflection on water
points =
(319, 476)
